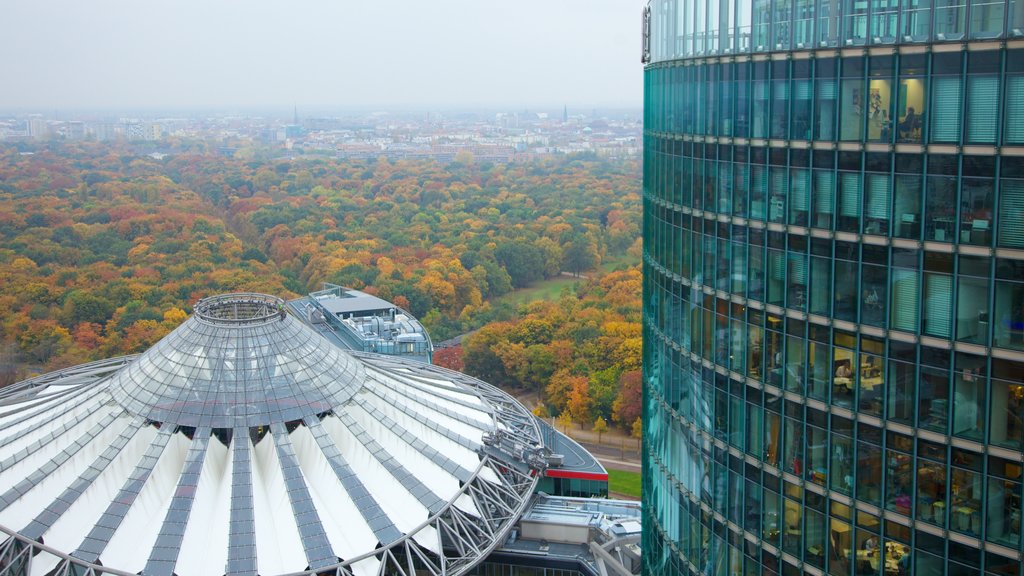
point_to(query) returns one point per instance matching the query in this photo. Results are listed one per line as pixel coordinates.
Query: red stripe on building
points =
(576, 475)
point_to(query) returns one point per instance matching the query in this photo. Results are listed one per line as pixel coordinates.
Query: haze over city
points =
(320, 55)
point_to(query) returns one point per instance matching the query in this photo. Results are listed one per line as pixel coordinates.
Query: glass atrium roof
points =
(245, 443)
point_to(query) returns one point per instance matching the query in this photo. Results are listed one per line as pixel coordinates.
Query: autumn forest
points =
(104, 248)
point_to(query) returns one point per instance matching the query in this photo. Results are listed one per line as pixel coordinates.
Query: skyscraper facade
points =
(834, 286)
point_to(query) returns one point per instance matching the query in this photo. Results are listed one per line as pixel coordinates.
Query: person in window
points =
(843, 371)
(908, 124)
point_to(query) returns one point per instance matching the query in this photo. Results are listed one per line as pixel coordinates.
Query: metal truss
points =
(76, 375)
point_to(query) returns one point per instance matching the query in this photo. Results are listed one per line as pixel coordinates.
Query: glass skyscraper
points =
(834, 286)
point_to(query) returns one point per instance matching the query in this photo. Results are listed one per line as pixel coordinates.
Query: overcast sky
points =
(319, 53)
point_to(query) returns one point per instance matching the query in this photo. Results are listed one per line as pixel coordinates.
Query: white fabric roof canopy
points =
(245, 443)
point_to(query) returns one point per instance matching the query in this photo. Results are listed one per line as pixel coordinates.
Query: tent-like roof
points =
(245, 443)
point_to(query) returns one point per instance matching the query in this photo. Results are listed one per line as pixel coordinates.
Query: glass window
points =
(1009, 311)
(987, 18)
(841, 470)
(1011, 213)
(852, 106)
(907, 197)
(817, 455)
(898, 474)
(847, 274)
(760, 101)
(970, 384)
(803, 24)
(1007, 427)
(880, 99)
(726, 111)
(973, 317)
(933, 395)
(877, 202)
(827, 93)
(869, 473)
(828, 22)
(976, 200)
(771, 526)
(900, 391)
(983, 89)
(844, 370)
(947, 97)
(1003, 502)
(840, 548)
(742, 95)
(778, 189)
(874, 291)
(938, 296)
(758, 191)
(871, 388)
(855, 24)
(797, 279)
(950, 16)
(1014, 127)
(821, 285)
(931, 492)
(917, 20)
(824, 198)
(941, 199)
(793, 460)
(782, 20)
(910, 99)
(966, 498)
(850, 187)
(762, 25)
(799, 195)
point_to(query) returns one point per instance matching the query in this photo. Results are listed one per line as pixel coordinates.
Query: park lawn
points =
(543, 290)
(622, 482)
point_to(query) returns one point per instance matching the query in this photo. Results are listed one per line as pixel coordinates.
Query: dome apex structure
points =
(240, 360)
(246, 443)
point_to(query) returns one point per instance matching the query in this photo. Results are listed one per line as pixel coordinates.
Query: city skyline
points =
(454, 54)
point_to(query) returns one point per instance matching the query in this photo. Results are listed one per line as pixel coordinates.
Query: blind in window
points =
(1014, 110)
(1011, 214)
(798, 191)
(879, 191)
(937, 298)
(798, 269)
(802, 90)
(758, 189)
(982, 109)
(779, 185)
(904, 300)
(777, 265)
(849, 200)
(827, 89)
(945, 115)
(824, 191)
(758, 181)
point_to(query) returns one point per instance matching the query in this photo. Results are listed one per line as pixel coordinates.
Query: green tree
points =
(523, 261)
(579, 255)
